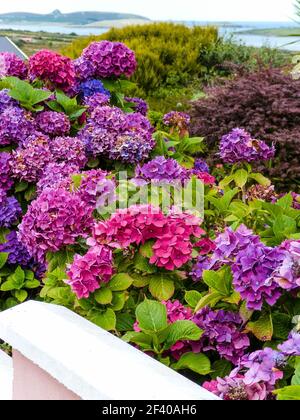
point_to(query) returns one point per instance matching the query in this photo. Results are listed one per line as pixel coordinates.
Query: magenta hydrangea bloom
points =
(88, 272)
(287, 276)
(6, 181)
(54, 220)
(70, 150)
(57, 175)
(291, 347)
(138, 224)
(53, 123)
(140, 105)
(106, 60)
(6, 101)
(96, 190)
(177, 312)
(12, 65)
(238, 146)
(30, 159)
(16, 125)
(253, 275)
(222, 333)
(10, 210)
(161, 169)
(54, 69)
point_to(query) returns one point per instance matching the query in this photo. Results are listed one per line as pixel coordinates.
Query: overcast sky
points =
(243, 10)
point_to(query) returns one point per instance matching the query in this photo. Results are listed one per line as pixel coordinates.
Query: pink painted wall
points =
(33, 383)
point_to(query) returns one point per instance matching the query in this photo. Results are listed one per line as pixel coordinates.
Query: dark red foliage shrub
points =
(265, 103)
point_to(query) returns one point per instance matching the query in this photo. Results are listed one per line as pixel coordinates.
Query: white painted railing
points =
(59, 355)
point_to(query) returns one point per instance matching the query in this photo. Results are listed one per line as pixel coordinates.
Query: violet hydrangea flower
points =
(106, 60)
(201, 166)
(16, 125)
(88, 272)
(287, 276)
(6, 101)
(131, 148)
(12, 65)
(96, 100)
(238, 146)
(253, 275)
(57, 175)
(161, 169)
(222, 333)
(6, 181)
(291, 347)
(53, 123)
(95, 189)
(92, 87)
(54, 220)
(179, 120)
(140, 105)
(70, 150)
(30, 159)
(10, 210)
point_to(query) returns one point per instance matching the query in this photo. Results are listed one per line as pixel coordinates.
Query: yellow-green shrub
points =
(168, 54)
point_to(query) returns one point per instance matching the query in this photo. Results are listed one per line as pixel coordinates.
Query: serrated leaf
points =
(198, 363)
(21, 295)
(146, 250)
(118, 302)
(3, 258)
(263, 328)
(152, 316)
(241, 178)
(103, 296)
(106, 320)
(262, 180)
(32, 284)
(182, 331)
(289, 393)
(192, 297)
(210, 299)
(221, 369)
(120, 282)
(161, 287)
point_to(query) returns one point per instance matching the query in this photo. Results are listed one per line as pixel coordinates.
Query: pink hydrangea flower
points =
(88, 272)
(54, 69)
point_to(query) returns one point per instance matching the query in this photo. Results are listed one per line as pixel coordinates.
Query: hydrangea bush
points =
(214, 295)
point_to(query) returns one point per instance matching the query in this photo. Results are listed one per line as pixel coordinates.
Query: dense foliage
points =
(265, 103)
(173, 59)
(210, 289)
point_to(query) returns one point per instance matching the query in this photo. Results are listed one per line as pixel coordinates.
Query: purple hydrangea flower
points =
(6, 101)
(96, 189)
(222, 333)
(96, 100)
(84, 69)
(54, 220)
(92, 87)
(57, 175)
(262, 366)
(161, 169)
(106, 60)
(253, 275)
(140, 105)
(288, 273)
(10, 210)
(53, 123)
(70, 150)
(291, 347)
(15, 126)
(30, 159)
(131, 148)
(139, 124)
(5, 171)
(238, 146)
(12, 65)
(109, 118)
(201, 166)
